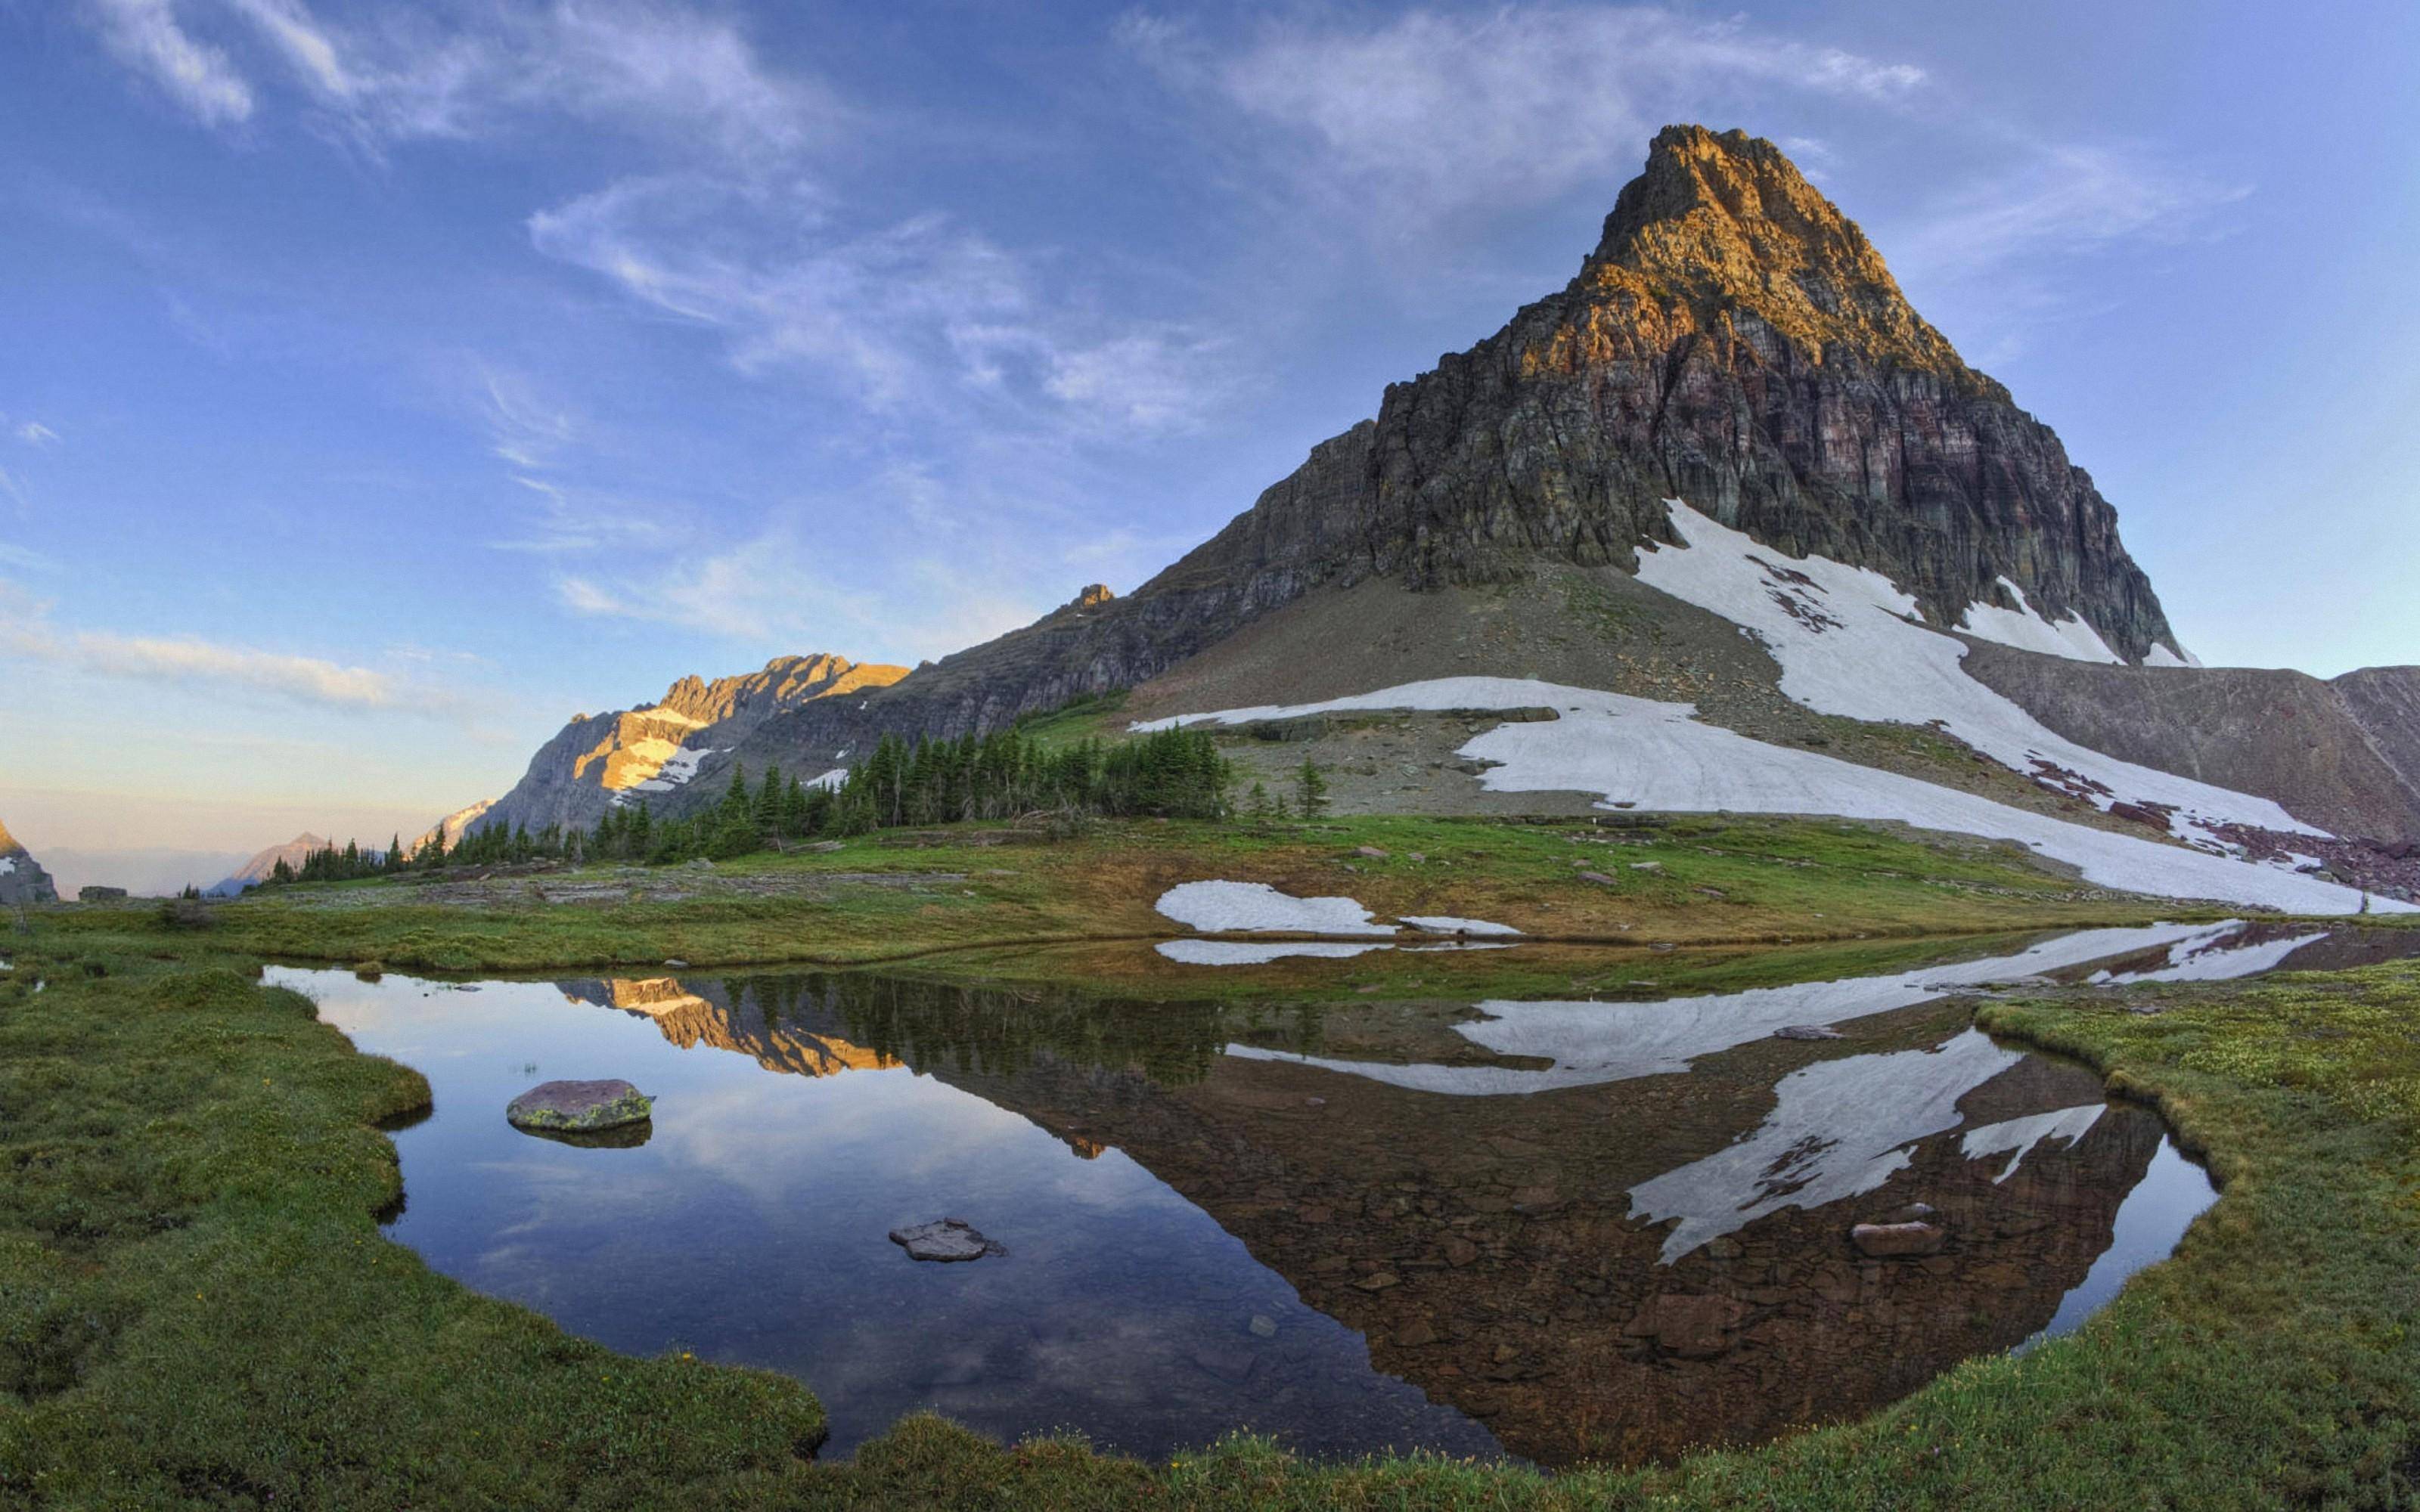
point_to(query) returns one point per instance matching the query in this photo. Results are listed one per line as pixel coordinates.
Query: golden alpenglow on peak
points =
(1720, 223)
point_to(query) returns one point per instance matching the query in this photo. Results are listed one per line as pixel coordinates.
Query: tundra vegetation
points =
(196, 1305)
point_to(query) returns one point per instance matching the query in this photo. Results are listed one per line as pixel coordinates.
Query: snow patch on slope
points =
(1638, 752)
(830, 780)
(2065, 1125)
(1588, 1043)
(677, 769)
(1841, 1129)
(1448, 924)
(2160, 655)
(1218, 908)
(1251, 953)
(2025, 628)
(1849, 643)
(2205, 959)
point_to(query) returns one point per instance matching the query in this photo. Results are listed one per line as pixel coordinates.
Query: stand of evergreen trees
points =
(1174, 773)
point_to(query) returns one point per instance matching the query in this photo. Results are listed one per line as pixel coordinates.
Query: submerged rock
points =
(580, 1108)
(949, 1239)
(1807, 1031)
(1886, 1240)
(1692, 1327)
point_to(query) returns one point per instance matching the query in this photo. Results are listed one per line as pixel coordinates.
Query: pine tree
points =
(768, 802)
(1310, 789)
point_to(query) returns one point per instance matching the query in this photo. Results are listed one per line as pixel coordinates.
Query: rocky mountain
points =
(263, 864)
(21, 878)
(1732, 339)
(450, 829)
(1760, 539)
(654, 751)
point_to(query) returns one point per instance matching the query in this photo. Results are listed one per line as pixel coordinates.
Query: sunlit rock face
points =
(1732, 339)
(21, 878)
(707, 1017)
(452, 827)
(652, 752)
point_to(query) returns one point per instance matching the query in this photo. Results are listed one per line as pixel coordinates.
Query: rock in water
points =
(949, 1239)
(1806, 1031)
(580, 1108)
(1885, 1241)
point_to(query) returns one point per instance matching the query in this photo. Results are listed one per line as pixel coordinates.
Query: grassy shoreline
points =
(1689, 881)
(197, 1305)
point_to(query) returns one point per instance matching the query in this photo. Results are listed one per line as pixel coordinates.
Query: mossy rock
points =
(580, 1108)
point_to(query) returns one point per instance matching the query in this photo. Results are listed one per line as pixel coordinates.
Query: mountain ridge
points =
(1733, 339)
(652, 750)
(21, 878)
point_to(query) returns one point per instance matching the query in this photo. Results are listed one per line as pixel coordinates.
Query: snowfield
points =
(1589, 1042)
(1848, 642)
(1251, 953)
(1841, 1129)
(1659, 756)
(2017, 1137)
(1448, 924)
(1221, 907)
(2025, 628)
(677, 769)
(2205, 959)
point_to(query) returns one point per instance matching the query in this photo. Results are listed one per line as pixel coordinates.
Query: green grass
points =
(1704, 881)
(197, 1307)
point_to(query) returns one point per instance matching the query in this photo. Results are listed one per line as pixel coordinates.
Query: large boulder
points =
(580, 1108)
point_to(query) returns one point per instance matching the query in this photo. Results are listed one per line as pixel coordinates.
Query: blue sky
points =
(387, 382)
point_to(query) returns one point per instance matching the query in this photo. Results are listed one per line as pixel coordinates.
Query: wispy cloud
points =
(26, 630)
(777, 591)
(34, 433)
(658, 68)
(572, 519)
(1430, 115)
(2066, 199)
(919, 307)
(772, 591)
(1996, 261)
(145, 35)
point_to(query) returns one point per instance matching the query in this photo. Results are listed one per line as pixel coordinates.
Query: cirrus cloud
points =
(26, 631)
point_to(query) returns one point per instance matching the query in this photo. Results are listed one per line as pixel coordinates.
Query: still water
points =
(1597, 1227)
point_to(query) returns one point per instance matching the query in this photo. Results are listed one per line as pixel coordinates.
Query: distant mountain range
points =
(1745, 522)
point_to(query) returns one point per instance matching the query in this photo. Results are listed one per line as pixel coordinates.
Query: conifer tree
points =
(1311, 790)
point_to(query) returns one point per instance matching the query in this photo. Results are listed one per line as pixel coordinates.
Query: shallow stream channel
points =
(1409, 1215)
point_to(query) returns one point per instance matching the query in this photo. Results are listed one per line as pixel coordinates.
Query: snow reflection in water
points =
(1266, 1215)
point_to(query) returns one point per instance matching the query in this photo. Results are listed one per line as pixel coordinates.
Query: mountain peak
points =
(1722, 221)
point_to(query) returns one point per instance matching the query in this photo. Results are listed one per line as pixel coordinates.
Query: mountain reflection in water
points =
(1565, 1230)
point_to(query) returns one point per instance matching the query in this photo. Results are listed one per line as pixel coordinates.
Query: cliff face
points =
(1732, 339)
(654, 751)
(21, 878)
